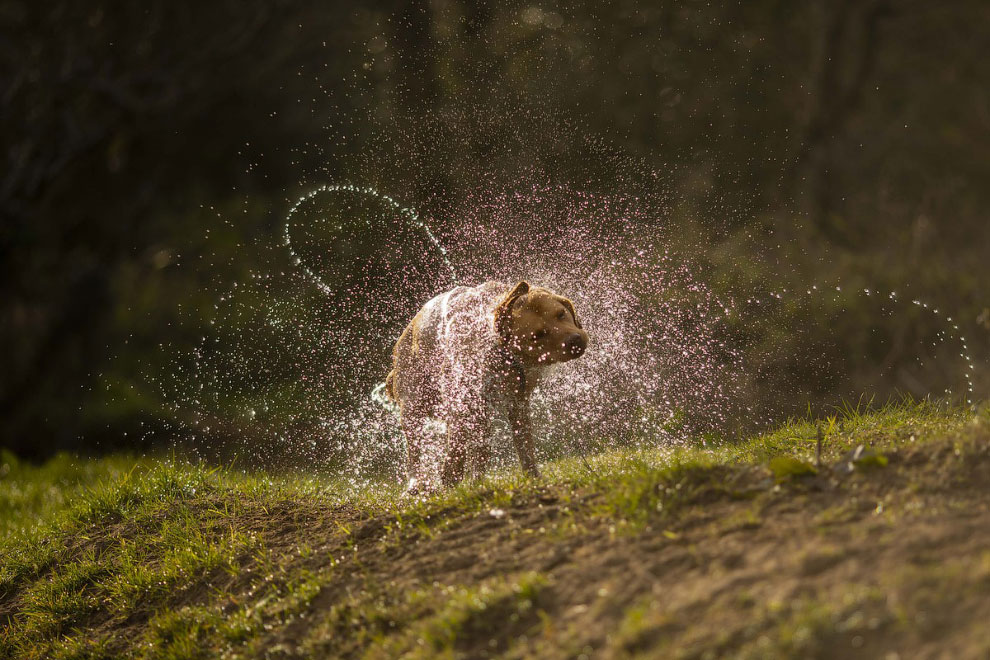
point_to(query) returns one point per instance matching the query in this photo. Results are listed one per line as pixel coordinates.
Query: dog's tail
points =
(384, 394)
(390, 385)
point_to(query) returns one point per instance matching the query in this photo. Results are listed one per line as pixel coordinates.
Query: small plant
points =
(788, 467)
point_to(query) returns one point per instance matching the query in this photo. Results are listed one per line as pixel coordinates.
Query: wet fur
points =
(524, 330)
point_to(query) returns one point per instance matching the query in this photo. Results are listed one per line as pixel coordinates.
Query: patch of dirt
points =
(892, 562)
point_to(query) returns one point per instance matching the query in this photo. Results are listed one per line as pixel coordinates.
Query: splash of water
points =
(290, 368)
(947, 335)
(408, 214)
(292, 363)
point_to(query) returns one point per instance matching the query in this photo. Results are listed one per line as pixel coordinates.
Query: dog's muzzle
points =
(576, 344)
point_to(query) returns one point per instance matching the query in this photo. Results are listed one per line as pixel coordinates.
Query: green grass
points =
(164, 559)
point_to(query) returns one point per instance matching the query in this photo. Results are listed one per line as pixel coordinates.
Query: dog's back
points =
(443, 348)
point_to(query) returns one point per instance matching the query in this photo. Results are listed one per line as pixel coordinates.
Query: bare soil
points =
(892, 562)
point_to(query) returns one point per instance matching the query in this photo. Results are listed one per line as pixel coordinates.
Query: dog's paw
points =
(533, 472)
(420, 488)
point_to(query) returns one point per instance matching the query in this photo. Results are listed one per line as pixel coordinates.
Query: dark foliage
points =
(847, 138)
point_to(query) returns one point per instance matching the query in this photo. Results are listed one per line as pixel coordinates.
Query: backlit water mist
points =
(289, 372)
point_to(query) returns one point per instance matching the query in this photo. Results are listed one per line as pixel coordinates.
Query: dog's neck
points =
(518, 376)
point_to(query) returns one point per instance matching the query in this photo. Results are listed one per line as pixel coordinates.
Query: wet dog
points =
(470, 354)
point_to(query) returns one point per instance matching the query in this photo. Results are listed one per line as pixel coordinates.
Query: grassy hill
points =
(744, 550)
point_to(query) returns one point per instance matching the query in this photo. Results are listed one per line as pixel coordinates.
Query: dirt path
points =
(890, 563)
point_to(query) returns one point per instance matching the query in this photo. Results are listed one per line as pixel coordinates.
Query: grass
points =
(149, 558)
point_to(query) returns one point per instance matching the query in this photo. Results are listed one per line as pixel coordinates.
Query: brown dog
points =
(467, 354)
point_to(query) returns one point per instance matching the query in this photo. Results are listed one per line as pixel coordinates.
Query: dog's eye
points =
(561, 315)
(539, 334)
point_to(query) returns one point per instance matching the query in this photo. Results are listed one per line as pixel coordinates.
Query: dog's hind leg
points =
(478, 457)
(467, 431)
(460, 437)
(466, 446)
(420, 454)
(453, 462)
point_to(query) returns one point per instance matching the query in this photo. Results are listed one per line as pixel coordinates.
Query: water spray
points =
(293, 374)
(950, 330)
(409, 214)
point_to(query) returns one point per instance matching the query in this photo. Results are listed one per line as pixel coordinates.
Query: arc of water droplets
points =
(967, 373)
(409, 214)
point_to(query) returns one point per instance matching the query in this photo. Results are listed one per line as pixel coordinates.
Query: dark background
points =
(150, 151)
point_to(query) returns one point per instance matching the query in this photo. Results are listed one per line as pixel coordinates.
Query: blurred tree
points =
(120, 122)
(149, 149)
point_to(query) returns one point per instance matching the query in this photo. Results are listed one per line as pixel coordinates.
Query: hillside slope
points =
(743, 550)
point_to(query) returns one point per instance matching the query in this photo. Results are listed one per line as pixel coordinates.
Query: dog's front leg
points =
(522, 436)
(478, 457)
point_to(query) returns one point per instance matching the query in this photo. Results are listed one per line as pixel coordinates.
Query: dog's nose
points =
(576, 344)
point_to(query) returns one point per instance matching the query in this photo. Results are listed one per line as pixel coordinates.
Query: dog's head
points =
(539, 326)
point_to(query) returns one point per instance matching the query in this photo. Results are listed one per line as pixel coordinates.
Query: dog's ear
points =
(570, 307)
(503, 311)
